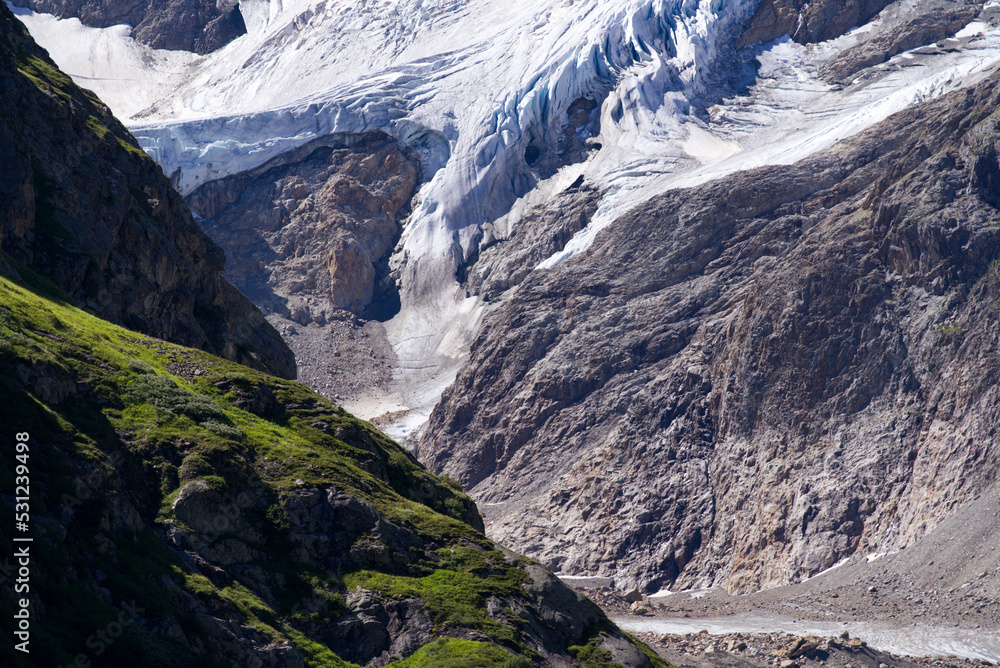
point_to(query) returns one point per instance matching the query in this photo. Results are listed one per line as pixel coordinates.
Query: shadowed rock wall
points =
(82, 204)
(201, 26)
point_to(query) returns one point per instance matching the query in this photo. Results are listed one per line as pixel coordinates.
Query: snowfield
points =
(470, 84)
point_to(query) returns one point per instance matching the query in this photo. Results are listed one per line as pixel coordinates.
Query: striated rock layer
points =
(742, 383)
(82, 204)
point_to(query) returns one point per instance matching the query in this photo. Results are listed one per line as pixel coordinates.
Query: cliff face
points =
(310, 233)
(82, 204)
(201, 26)
(807, 22)
(308, 236)
(743, 383)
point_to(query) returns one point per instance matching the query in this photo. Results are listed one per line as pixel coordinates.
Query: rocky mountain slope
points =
(185, 510)
(323, 220)
(308, 236)
(715, 315)
(743, 383)
(199, 513)
(81, 203)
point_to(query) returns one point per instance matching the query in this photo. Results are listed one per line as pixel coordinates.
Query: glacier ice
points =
(470, 84)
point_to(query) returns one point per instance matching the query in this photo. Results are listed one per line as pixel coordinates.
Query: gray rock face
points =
(81, 204)
(935, 24)
(742, 383)
(807, 22)
(310, 232)
(507, 257)
(377, 629)
(309, 235)
(201, 26)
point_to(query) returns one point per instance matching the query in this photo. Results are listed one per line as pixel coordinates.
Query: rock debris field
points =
(932, 604)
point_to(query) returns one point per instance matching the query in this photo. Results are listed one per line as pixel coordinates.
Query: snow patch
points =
(975, 28)
(663, 593)
(124, 73)
(698, 593)
(705, 147)
(837, 565)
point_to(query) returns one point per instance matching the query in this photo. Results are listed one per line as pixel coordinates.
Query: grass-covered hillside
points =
(188, 511)
(82, 204)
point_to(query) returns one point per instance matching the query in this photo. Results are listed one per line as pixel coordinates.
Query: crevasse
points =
(470, 105)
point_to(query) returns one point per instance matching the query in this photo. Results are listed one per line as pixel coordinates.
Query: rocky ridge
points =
(200, 26)
(743, 383)
(933, 24)
(82, 204)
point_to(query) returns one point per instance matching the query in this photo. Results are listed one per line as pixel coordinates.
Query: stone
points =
(641, 608)
(634, 596)
(803, 646)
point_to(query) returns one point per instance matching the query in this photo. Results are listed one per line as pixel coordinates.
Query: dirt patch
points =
(347, 360)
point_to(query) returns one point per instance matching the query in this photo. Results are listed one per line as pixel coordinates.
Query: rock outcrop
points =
(310, 232)
(807, 22)
(200, 26)
(932, 25)
(81, 204)
(309, 235)
(742, 383)
(506, 257)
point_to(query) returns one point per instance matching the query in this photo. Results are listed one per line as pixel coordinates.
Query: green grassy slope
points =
(177, 501)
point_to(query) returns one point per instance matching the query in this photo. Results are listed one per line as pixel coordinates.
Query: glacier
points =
(471, 86)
